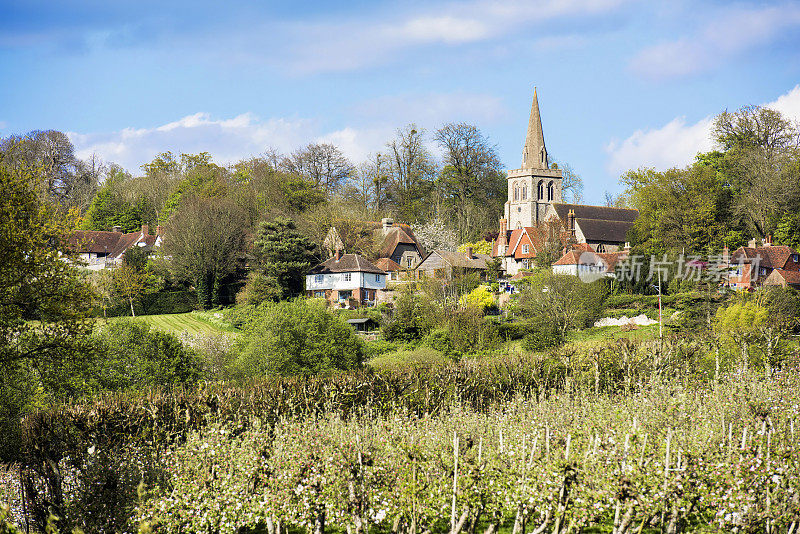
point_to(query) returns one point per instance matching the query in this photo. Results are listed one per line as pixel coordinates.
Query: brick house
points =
(751, 266)
(348, 280)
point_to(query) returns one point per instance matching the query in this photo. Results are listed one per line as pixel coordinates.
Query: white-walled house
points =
(348, 280)
(100, 249)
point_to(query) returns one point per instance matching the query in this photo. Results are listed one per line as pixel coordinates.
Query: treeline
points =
(749, 187)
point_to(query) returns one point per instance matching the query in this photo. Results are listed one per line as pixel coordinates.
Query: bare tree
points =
(571, 183)
(322, 163)
(412, 170)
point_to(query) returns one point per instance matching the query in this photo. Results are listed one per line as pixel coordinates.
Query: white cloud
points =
(730, 33)
(356, 43)
(227, 140)
(676, 143)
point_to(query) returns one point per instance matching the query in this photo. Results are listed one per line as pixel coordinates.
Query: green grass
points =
(193, 322)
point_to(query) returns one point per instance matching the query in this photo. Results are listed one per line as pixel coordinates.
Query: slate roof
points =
(457, 259)
(604, 229)
(603, 213)
(348, 263)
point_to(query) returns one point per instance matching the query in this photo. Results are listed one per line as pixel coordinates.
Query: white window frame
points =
(348, 277)
(378, 278)
(319, 278)
(526, 249)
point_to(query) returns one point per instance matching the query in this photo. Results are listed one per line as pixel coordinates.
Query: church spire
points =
(534, 155)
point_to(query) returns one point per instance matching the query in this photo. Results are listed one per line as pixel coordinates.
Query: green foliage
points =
(136, 356)
(111, 208)
(565, 301)
(542, 335)
(481, 298)
(478, 247)
(284, 256)
(788, 231)
(413, 317)
(297, 337)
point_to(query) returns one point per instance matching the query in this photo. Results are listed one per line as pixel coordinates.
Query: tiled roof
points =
(577, 257)
(348, 263)
(112, 243)
(774, 257)
(457, 259)
(387, 264)
(791, 277)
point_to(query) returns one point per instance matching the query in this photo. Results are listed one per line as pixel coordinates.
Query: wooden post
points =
(455, 480)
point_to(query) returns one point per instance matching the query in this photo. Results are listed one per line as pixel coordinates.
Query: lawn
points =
(193, 322)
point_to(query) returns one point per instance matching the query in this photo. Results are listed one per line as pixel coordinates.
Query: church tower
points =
(534, 186)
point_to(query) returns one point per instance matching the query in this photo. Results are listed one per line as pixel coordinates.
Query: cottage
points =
(348, 280)
(100, 249)
(588, 265)
(783, 278)
(444, 264)
(753, 265)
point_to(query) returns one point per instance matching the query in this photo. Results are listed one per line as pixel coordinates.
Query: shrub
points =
(136, 356)
(515, 330)
(297, 337)
(542, 336)
(413, 317)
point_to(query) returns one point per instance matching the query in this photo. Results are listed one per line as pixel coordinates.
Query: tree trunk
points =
(133, 313)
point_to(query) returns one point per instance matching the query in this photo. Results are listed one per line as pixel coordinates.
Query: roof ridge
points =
(593, 206)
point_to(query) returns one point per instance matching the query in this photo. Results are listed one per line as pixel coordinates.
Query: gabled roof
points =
(578, 257)
(457, 259)
(396, 235)
(604, 229)
(603, 213)
(774, 257)
(112, 243)
(388, 265)
(348, 263)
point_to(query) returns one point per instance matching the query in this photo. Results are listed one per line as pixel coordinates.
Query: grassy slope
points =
(194, 323)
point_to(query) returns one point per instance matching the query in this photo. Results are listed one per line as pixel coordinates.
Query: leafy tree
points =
(788, 231)
(284, 255)
(297, 337)
(204, 243)
(481, 298)
(130, 283)
(44, 302)
(562, 300)
(414, 316)
(478, 247)
(135, 356)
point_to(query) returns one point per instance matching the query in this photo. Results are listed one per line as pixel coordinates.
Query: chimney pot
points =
(338, 254)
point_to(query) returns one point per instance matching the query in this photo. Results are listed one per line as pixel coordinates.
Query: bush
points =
(413, 317)
(136, 357)
(515, 330)
(297, 337)
(181, 301)
(542, 337)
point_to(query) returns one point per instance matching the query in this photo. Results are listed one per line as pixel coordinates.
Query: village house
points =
(348, 281)
(535, 203)
(392, 241)
(443, 264)
(588, 264)
(752, 266)
(100, 249)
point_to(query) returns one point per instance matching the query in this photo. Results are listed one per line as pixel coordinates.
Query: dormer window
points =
(796, 258)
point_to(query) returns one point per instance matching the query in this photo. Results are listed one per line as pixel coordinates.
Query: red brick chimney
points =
(502, 238)
(338, 254)
(469, 252)
(769, 241)
(571, 223)
(145, 229)
(160, 230)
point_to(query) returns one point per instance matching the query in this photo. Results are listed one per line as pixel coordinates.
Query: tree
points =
(478, 247)
(562, 300)
(297, 337)
(436, 235)
(321, 163)
(412, 172)
(204, 243)
(571, 183)
(129, 283)
(284, 255)
(740, 324)
(471, 184)
(45, 302)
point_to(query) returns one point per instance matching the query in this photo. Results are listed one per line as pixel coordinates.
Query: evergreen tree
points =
(284, 255)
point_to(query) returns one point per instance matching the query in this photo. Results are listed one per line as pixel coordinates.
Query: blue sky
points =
(621, 83)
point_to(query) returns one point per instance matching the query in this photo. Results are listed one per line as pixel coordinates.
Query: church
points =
(535, 213)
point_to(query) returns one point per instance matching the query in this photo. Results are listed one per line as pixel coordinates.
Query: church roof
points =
(534, 140)
(603, 213)
(604, 230)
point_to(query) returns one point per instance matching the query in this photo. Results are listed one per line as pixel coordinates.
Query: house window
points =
(409, 260)
(795, 258)
(319, 294)
(378, 278)
(525, 249)
(348, 277)
(526, 263)
(319, 278)
(345, 295)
